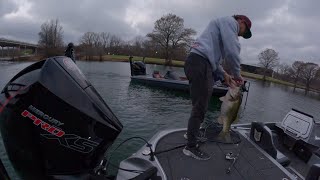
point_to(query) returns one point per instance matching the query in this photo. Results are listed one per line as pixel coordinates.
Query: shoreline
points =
(175, 63)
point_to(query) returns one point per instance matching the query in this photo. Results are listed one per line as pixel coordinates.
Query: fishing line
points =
(106, 163)
(245, 104)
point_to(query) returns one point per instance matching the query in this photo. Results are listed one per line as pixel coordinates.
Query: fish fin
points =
(223, 98)
(220, 120)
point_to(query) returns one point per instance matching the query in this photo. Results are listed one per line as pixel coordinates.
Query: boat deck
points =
(252, 162)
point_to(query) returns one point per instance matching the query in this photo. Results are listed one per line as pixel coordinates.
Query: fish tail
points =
(225, 136)
(224, 131)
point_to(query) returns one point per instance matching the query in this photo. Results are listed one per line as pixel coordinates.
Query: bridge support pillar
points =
(19, 52)
(13, 53)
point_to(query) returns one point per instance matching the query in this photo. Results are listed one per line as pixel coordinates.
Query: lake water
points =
(143, 110)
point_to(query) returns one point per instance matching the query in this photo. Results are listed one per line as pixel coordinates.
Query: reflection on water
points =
(145, 110)
(271, 102)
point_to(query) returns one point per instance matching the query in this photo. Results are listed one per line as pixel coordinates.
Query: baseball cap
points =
(247, 21)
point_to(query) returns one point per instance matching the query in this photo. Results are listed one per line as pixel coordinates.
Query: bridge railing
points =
(3, 40)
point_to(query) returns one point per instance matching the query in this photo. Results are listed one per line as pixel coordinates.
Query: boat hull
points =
(176, 85)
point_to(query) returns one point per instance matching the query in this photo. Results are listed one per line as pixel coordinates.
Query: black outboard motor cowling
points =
(54, 123)
(137, 68)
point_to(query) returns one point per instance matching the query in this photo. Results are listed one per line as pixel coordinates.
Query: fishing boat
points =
(286, 150)
(55, 125)
(169, 81)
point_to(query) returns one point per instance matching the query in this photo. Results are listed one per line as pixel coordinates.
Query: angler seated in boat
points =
(170, 75)
(157, 75)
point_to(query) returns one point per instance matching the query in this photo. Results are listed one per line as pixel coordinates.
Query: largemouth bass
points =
(231, 103)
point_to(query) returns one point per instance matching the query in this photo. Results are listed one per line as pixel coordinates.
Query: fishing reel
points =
(245, 87)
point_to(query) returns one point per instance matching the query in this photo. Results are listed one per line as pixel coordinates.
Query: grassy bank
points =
(121, 58)
(270, 79)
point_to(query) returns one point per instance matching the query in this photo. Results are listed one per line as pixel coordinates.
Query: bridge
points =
(11, 49)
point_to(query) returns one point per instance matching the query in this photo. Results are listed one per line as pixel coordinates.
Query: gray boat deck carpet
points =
(252, 164)
(212, 133)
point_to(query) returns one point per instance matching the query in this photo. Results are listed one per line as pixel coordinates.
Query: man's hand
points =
(239, 80)
(229, 81)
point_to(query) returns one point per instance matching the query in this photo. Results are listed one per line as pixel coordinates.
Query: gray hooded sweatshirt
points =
(220, 41)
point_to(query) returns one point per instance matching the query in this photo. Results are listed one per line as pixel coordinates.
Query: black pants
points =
(199, 73)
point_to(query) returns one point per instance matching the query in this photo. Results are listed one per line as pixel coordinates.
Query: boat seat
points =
(314, 172)
(264, 138)
(315, 158)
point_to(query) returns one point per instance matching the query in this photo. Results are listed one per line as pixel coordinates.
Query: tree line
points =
(51, 38)
(300, 72)
(168, 40)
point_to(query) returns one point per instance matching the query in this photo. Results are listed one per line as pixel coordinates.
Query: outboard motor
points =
(53, 122)
(137, 68)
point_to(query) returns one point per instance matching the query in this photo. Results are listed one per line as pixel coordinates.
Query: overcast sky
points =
(288, 26)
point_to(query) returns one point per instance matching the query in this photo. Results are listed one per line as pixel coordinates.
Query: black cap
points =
(70, 44)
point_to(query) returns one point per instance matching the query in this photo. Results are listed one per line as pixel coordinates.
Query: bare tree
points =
(318, 74)
(169, 32)
(316, 83)
(105, 38)
(87, 41)
(296, 70)
(51, 34)
(138, 46)
(50, 37)
(87, 38)
(309, 74)
(150, 48)
(284, 71)
(268, 59)
(98, 45)
(115, 44)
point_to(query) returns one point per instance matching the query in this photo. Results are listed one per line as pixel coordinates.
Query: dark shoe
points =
(196, 153)
(200, 138)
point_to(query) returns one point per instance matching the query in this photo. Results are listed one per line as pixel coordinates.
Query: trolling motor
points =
(53, 122)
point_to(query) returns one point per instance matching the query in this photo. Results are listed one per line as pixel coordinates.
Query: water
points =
(143, 110)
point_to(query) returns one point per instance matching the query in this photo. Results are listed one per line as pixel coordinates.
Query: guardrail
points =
(3, 40)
